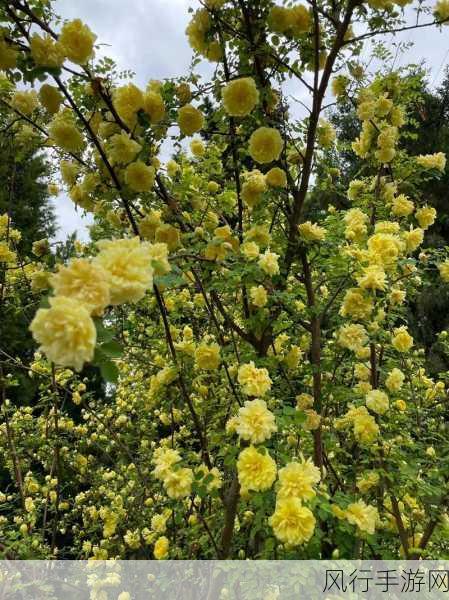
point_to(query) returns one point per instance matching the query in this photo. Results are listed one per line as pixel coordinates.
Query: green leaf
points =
(112, 349)
(109, 371)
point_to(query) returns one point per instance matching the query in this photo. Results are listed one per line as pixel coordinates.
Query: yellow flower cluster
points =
(297, 480)
(190, 119)
(198, 34)
(46, 52)
(432, 161)
(64, 132)
(240, 96)
(311, 232)
(362, 515)
(255, 382)
(289, 21)
(292, 523)
(139, 176)
(265, 145)
(377, 401)
(127, 263)
(77, 41)
(254, 422)
(256, 470)
(50, 98)
(207, 357)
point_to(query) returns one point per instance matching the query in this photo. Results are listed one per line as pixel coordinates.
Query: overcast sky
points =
(147, 36)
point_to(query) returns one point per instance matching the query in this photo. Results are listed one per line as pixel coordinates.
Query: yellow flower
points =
(356, 304)
(426, 216)
(402, 206)
(250, 250)
(154, 106)
(46, 52)
(367, 481)
(65, 332)
(413, 239)
(8, 55)
(311, 232)
(164, 459)
(312, 421)
(268, 262)
(6, 255)
(352, 336)
(139, 176)
(161, 548)
(77, 41)
(178, 484)
(259, 296)
(169, 235)
(85, 282)
(25, 102)
(276, 177)
(384, 248)
(50, 98)
(127, 263)
(432, 161)
(401, 405)
(373, 278)
(255, 423)
(253, 187)
(377, 401)
(198, 148)
(69, 172)
(240, 97)
(296, 480)
(395, 380)
(402, 341)
(190, 119)
(207, 356)
(158, 254)
(256, 471)
(366, 429)
(325, 133)
(292, 523)
(64, 132)
(254, 381)
(443, 268)
(362, 515)
(265, 145)
(122, 149)
(128, 100)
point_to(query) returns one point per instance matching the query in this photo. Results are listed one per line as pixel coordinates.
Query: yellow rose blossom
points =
(8, 55)
(401, 405)
(311, 232)
(443, 268)
(362, 515)
(426, 216)
(64, 132)
(373, 278)
(384, 248)
(65, 332)
(139, 177)
(259, 296)
(50, 98)
(256, 470)
(265, 145)
(168, 234)
(250, 250)
(395, 380)
(158, 255)
(413, 239)
(366, 429)
(254, 185)
(190, 119)
(402, 206)
(178, 483)
(432, 161)
(127, 263)
(207, 356)
(356, 304)
(255, 423)
(84, 281)
(46, 52)
(25, 102)
(367, 481)
(352, 336)
(77, 41)
(276, 177)
(254, 381)
(268, 262)
(197, 147)
(292, 523)
(377, 401)
(161, 548)
(128, 100)
(240, 96)
(296, 480)
(402, 341)
(153, 105)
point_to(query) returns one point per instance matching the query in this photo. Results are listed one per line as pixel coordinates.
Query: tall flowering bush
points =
(223, 371)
